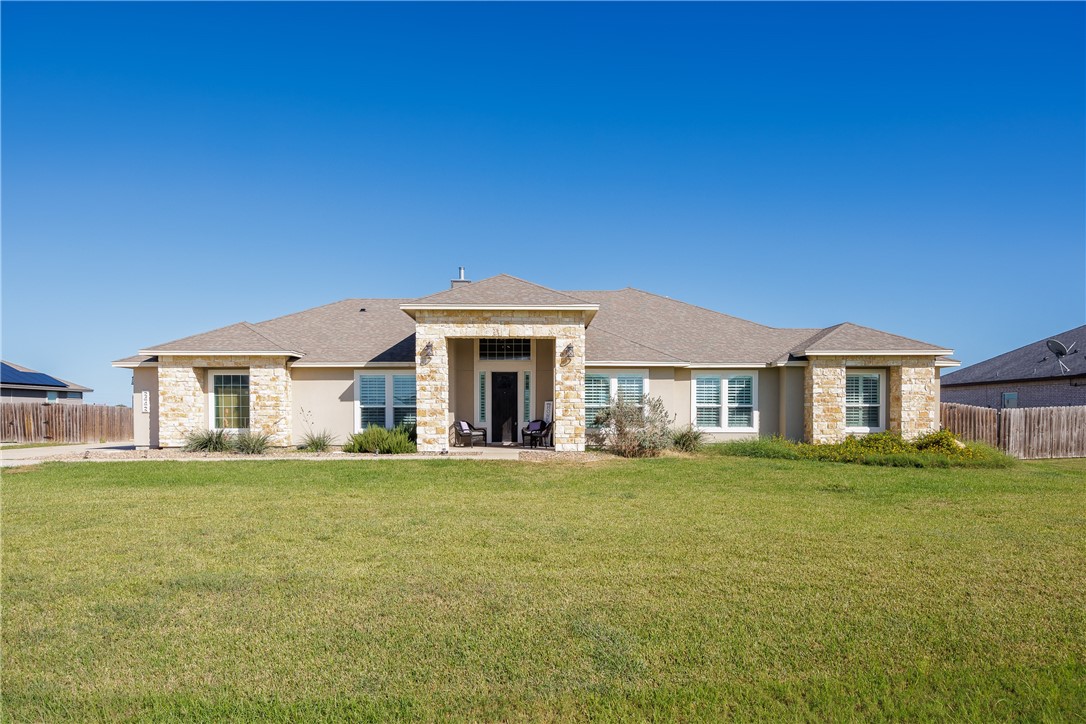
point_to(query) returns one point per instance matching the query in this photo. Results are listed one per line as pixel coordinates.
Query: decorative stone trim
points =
(183, 394)
(434, 327)
(912, 405)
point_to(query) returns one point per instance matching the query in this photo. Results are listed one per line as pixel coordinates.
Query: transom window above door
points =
(505, 349)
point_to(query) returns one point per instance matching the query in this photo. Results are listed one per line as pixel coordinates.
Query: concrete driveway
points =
(35, 455)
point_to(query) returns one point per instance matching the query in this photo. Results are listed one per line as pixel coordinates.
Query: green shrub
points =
(318, 441)
(251, 443)
(376, 439)
(935, 450)
(412, 430)
(209, 441)
(943, 441)
(367, 441)
(399, 442)
(687, 439)
(635, 430)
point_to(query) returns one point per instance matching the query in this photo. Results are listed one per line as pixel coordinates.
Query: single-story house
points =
(1030, 376)
(502, 351)
(22, 384)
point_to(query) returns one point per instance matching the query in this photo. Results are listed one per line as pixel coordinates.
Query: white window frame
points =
(724, 378)
(211, 397)
(390, 406)
(882, 400)
(613, 375)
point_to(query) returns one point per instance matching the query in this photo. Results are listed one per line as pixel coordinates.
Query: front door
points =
(503, 420)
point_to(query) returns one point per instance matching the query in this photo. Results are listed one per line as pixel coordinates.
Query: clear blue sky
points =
(172, 168)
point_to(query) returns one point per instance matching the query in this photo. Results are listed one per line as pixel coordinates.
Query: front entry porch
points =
(499, 371)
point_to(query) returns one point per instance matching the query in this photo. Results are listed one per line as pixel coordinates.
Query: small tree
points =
(635, 429)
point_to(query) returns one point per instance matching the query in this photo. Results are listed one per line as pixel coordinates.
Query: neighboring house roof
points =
(848, 337)
(19, 377)
(1034, 361)
(630, 326)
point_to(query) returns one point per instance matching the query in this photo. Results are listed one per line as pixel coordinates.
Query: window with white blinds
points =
(600, 388)
(386, 400)
(403, 400)
(707, 401)
(630, 388)
(741, 401)
(863, 400)
(725, 401)
(597, 395)
(371, 400)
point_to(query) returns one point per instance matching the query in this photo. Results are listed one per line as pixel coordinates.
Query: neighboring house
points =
(501, 351)
(1029, 376)
(22, 384)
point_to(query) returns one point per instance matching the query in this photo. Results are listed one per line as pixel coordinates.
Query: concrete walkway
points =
(35, 455)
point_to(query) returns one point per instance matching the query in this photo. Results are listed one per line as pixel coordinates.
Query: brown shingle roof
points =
(685, 332)
(341, 333)
(501, 289)
(849, 337)
(240, 337)
(631, 326)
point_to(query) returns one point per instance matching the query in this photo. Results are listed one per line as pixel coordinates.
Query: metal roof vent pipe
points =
(460, 281)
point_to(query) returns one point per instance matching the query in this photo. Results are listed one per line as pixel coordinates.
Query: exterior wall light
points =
(567, 354)
(427, 353)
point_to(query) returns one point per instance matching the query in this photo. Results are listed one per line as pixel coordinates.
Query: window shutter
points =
(371, 400)
(403, 400)
(631, 388)
(597, 395)
(741, 391)
(707, 398)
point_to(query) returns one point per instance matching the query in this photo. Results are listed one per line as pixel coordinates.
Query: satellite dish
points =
(1057, 348)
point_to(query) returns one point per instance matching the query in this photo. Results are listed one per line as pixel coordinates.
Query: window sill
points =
(864, 430)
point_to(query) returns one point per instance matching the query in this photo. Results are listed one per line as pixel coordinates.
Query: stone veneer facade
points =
(435, 326)
(912, 407)
(183, 395)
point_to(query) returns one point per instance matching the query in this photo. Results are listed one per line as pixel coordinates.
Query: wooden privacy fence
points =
(38, 422)
(1024, 432)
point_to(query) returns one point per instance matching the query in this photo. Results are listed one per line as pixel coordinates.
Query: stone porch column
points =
(569, 424)
(432, 389)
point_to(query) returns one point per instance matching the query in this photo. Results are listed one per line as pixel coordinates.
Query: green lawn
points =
(680, 588)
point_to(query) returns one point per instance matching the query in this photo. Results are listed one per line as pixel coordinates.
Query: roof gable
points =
(500, 290)
(849, 337)
(1032, 361)
(240, 337)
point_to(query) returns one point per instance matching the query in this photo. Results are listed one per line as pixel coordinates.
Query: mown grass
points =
(681, 588)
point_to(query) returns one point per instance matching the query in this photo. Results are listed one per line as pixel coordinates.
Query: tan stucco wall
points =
(463, 380)
(790, 417)
(145, 424)
(325, 395)
(543, 374)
